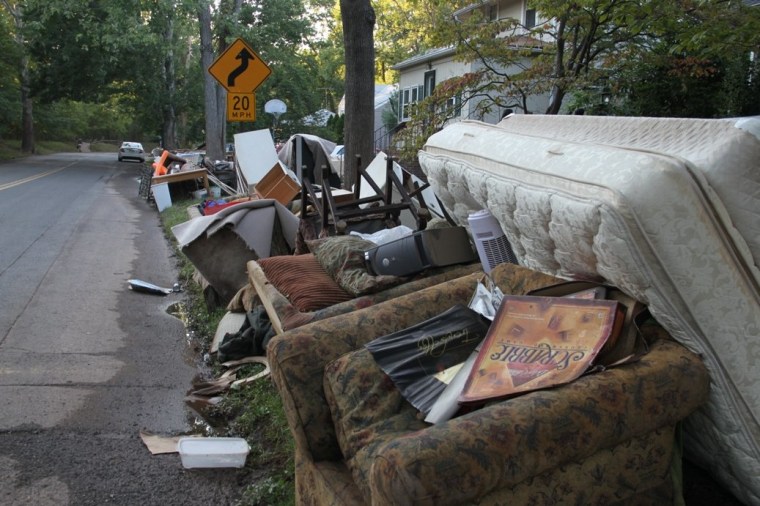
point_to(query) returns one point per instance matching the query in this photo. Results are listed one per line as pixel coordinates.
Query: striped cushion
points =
(303, 281)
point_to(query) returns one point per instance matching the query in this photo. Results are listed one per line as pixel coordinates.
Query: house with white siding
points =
(419, 74)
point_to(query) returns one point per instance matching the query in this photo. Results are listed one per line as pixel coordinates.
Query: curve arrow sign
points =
(244, 56)
(239, 69)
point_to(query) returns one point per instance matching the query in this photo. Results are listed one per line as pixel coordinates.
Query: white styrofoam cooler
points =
(212, 451)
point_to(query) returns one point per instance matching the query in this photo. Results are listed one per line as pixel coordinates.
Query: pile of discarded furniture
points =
(606, 438)
(665, 210)
(268, 226)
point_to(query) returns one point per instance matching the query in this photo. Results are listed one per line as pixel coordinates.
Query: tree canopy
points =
(136, 67)
(140, 61)
(635, 57)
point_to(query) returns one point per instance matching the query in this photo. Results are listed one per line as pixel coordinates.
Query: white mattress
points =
(665, 209)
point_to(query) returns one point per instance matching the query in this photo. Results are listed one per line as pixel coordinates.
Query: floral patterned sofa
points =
(608, 437)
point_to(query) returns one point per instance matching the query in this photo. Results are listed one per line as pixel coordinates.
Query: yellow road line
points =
(28, 179)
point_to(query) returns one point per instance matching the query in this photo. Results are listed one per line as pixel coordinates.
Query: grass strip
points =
(253, 411)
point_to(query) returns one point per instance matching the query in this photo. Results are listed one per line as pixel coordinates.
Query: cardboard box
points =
(277, 185)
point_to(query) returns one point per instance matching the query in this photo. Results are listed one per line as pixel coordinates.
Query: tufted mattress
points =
(666, 209)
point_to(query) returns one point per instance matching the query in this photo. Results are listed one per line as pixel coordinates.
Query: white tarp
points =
(311, 152)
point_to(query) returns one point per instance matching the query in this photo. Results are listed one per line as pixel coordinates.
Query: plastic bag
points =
(417, 358)
(487, 298)
(386, 235)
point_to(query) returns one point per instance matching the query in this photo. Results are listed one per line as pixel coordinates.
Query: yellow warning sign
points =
(241, 107)
(239, 69)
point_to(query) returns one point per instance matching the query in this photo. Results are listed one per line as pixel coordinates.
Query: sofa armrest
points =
(510, 441)
(298, 357)
(285, 316)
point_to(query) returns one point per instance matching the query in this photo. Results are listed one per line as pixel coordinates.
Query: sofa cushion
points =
(342, 257)
(367, 409)
(396, 458)
(303, 281)
(363, 400)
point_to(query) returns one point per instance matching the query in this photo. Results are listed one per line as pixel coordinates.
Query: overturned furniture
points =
(220, 245)
(367, 211)
(607, 437)
(665, 209)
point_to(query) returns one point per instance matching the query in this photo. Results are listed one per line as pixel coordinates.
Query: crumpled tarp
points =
(220, 245)
(315, 154)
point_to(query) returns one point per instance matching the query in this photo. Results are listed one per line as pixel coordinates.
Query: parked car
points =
(131, 151)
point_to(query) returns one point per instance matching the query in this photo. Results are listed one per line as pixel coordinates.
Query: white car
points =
(131, 151)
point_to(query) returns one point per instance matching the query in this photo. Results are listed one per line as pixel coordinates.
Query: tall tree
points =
(581, 50)
(554, 57)
(10, 110)
(358, 25)
(86, 51)
(80, 48)
(16, 10)
(169, 111)
(404, 28)
(214, 95)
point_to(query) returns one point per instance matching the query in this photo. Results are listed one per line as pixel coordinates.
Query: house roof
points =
(318, 118)
(471, 8)
(383, 94)
(425, 57)
(517, 42)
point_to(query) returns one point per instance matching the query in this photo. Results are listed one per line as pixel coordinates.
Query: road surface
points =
(86, 363)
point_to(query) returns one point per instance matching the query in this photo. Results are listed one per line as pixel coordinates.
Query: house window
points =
(409, 96)
(453, 106)
(530, 18)
(493, 12)
(429, 82)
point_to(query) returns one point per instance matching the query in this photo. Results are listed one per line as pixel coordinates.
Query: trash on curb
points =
(197, 452)
(145, 287)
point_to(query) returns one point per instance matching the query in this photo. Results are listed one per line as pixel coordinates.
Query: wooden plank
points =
(265, 290)
(184, 176)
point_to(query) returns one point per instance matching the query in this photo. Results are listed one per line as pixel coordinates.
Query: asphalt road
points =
(85, 362)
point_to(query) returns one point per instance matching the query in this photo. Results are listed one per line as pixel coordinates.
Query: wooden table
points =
(183, 176)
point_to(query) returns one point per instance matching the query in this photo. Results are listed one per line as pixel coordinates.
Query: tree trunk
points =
(214, 104)
(27, 117)
(169, 112)
(557, 94)
(358, 25)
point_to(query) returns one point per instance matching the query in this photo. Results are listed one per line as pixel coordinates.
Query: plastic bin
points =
(197, 452)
